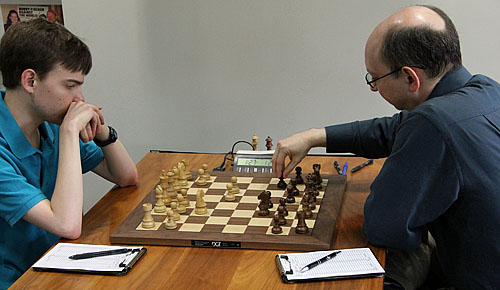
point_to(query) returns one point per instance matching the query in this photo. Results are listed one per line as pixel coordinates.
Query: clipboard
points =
(57, 260)
(348, 264)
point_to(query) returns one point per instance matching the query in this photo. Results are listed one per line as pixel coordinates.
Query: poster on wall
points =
(23, 12)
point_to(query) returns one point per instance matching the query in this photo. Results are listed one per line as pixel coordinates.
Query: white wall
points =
(198, 75)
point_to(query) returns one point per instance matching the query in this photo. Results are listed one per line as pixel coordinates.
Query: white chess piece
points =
(170, 224)
(234, 182)
(229, 194)
(148, 222)
(201, 206)
(201, 178)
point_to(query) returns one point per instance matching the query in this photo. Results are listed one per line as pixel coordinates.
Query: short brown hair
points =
(40, 45)
(423, 46)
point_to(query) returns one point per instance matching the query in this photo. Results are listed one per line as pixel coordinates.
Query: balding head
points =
(415, 36)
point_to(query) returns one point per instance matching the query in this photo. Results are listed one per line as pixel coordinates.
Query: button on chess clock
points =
(253, 161)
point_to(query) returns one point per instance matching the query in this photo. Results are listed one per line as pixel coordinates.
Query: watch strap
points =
(113, 136)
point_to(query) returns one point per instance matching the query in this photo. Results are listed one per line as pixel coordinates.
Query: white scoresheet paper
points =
(58, 258)
(348, 263)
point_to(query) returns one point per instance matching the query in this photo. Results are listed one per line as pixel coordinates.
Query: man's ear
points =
(28, 79)
(412, 78)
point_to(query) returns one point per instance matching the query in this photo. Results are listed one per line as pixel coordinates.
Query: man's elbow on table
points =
(390, 236)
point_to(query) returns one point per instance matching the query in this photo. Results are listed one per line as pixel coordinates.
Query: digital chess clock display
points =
(253, 161)
(243, 161)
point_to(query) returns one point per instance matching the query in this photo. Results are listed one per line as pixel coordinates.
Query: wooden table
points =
(165, 267)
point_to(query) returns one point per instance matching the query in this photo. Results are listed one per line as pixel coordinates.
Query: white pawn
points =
(173, 205)
(148, 222)
(234, 182)
(230, 194)
(170, 224)
(181, 207)
(201, 178)
(201, 206)
(205, 169)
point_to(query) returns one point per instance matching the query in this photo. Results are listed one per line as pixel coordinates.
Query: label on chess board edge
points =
(215, 244)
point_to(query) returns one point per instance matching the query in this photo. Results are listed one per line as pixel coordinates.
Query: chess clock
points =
(253, 161)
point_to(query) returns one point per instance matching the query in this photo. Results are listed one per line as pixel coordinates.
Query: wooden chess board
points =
(236, 224)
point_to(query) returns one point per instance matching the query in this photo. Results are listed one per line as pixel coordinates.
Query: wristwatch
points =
(113, 136)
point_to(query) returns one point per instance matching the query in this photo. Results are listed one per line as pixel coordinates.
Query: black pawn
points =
(295, 190)
(276, 225)
(289, 194)
(282, 183)
(283, 205)
(298, 175)
(301, 227)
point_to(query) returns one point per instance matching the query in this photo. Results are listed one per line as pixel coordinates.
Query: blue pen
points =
(344, 169)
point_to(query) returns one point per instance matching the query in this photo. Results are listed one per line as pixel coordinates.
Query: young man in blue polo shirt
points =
(49, 135)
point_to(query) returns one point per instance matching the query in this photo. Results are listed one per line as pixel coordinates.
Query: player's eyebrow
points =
(75, 81)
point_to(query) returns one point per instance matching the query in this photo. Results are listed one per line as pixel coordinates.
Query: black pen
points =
(362, 165)
(101, 253)
(319, 262)
(337, 166)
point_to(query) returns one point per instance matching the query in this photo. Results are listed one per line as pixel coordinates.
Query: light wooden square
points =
(243, 213)
(217, 220)
(227, 205)
(191, 228)
(212, 198)
(218, 185)
(260, 222)
(244, 180)
(249, 199)
(234, 229)
(257, 186)
(275, 180)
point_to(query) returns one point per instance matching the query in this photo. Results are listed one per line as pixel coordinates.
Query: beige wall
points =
(198, 75)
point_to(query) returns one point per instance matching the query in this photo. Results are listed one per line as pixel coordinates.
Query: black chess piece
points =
(270, 201)
(276, 225)
(281, 219)
(295, 190)
(281, 183)
(289, 194)
(269, 143)
(283, 205)
(301, 227)
(317, 176)
(298, 175)
(264, 203)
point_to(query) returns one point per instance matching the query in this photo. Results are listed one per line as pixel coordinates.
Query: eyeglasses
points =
(370, 80)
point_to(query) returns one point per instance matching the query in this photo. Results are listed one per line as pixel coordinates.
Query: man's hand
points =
(85, 118)
(296, 148)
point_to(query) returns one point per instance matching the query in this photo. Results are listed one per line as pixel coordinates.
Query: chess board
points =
(237, 224)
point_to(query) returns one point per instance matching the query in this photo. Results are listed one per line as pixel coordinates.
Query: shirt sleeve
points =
(371, 138)
(91, 155)
(17, 195)
(418, 182)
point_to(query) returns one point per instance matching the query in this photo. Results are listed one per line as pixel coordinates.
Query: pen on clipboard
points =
(319, 262)
(101, 253)
(362, 165)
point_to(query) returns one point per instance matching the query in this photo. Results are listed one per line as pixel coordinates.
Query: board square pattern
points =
(237, 224)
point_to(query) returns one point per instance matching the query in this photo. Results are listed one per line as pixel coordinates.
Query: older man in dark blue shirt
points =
(442, 149)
